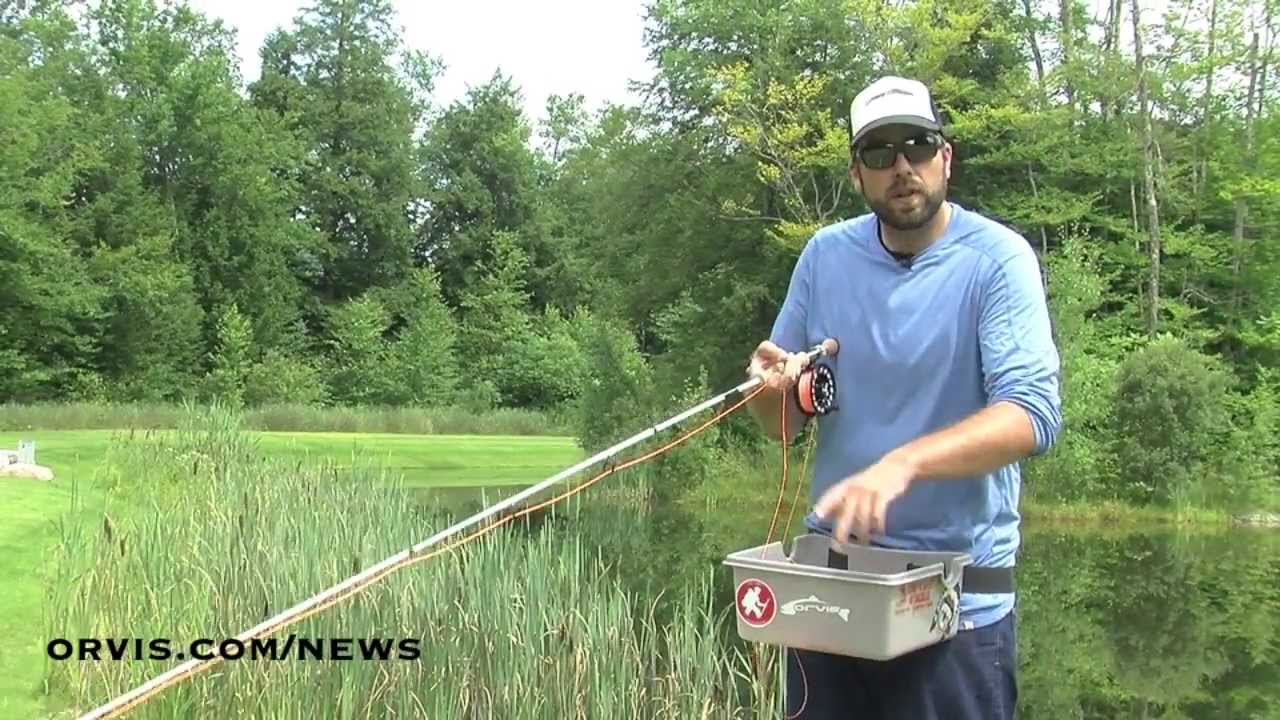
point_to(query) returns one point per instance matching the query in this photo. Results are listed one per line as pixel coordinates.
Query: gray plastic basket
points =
(877, 609)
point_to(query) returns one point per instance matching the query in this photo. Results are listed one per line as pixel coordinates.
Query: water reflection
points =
(1150, 623)
(1129, 623)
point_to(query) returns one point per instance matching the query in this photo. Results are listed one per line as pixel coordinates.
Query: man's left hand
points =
(860, 502)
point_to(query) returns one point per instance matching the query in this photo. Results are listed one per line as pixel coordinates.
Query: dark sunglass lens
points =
(920, 153)
(878, 157)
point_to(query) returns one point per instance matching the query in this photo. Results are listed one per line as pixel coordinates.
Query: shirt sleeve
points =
(1020, 361)
(790, 328)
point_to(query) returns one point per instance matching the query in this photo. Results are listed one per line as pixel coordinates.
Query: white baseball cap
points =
(892, 100)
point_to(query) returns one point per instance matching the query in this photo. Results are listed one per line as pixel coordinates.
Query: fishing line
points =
(815, 395)
(817, 400)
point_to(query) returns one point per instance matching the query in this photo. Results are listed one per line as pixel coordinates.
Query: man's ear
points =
(946, 159)
(855, 177)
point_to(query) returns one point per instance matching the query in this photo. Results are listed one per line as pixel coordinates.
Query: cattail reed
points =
(526, 623)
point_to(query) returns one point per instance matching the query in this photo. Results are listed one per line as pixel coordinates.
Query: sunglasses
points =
(918, 149)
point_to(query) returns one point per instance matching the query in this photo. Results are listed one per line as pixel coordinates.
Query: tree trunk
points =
(1201, 168)
(1148, 175)
(1133, 204)
(1066, 40)
(1035, 47)
(1035, 192)
(1108, 38)
(1110, 44)
(1137, 228)
(1266, 63)
(1115, 23)
(1242, 205)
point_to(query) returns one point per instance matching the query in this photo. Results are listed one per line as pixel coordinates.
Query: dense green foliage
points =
(328, 234)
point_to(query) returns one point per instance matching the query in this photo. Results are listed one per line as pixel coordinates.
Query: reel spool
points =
(816, 390)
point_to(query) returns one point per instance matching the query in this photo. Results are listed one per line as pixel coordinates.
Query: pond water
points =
(1154, 622)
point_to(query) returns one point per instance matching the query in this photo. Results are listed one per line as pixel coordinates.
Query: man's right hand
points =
(778, 368)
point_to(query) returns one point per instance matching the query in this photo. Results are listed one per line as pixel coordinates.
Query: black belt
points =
(976, 579)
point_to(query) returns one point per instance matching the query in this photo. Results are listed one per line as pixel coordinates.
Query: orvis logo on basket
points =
(756, 603)
(813, 604)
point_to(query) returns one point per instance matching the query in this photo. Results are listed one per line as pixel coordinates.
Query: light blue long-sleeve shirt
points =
(923, 345)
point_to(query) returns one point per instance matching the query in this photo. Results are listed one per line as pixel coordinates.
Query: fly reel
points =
(816, 390)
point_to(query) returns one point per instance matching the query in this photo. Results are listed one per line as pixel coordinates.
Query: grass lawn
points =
(434, 460)
(30, 510)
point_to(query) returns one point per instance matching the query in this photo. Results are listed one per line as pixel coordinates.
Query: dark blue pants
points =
(973, 676)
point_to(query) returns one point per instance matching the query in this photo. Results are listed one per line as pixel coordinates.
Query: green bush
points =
(359, 356)
(1080, 465)
(615, 397)
(515, 357)
(1252, 451)
(496, 328)
(1173, 425)
(423, 361)
(281, 378)
(231, 361)
(549, 366)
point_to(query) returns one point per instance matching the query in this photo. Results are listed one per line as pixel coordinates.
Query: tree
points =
(53, 317)
(360, 185)
(1149, 183)
(427, 357)
(497, 328)
(233, 360)
(482, 178)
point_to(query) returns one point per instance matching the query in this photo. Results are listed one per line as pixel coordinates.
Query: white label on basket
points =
(813, 604)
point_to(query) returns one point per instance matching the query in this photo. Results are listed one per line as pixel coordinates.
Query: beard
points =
(913, 218)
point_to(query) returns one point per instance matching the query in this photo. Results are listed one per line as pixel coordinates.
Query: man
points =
(947, 376)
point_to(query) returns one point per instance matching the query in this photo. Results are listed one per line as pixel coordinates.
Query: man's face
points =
(905, 195)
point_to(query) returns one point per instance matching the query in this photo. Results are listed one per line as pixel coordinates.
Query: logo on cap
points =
(892, 100)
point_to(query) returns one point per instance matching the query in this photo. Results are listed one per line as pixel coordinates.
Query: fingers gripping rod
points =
(139, 694)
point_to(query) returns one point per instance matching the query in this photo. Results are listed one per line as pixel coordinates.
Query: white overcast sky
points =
(593, 47)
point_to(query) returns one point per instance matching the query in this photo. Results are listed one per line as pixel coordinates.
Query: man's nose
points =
(902, 166)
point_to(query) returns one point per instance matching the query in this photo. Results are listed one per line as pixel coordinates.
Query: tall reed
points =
(202, 539)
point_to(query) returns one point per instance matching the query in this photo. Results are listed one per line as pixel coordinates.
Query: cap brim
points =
(912, 120)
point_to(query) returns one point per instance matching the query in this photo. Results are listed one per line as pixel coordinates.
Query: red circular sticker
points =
(756, 603)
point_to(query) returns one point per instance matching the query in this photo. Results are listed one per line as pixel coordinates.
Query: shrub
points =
(1173, 426)
(359, 358)
(424, 358)
(231, 361)
(616, 392)
(281, 378)
(1079, 465)
(1252, 450)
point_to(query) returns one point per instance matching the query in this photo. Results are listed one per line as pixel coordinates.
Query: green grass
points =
(461, 465)
(527, 623)
(432, 460)
(27, 532)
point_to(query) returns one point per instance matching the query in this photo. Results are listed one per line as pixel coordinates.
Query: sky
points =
(532, 42)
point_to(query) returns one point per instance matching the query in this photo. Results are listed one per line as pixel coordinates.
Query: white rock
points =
(26, 470)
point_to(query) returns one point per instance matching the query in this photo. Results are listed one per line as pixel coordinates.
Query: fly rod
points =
(814, 393)
(817, 394)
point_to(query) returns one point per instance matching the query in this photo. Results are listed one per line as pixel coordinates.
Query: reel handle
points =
(815, 391)
(827, 348)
